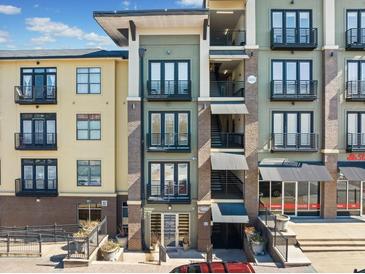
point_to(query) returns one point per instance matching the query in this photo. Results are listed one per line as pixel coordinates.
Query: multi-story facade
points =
(217, 113)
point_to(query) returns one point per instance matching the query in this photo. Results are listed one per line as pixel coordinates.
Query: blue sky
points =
(57, 24)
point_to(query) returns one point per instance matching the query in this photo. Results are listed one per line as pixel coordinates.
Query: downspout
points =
(141, 52)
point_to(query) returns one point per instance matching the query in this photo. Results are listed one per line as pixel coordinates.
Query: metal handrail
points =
(169, 88)
(47, 190)
(169, 192)
(356, 141)
(168, 140)
(294, 89)
(29, 94)
(294, 141)
(355, 89)
(297, 37)
(35, 140)
(228, 37)
(230, 140)
(355, 37)
(227, 88)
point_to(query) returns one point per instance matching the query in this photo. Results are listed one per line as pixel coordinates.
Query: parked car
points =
(215, 267)
(359, 270)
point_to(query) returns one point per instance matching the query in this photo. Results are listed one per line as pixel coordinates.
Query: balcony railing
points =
(355, 39)
(35, 95)
(227, 88)
(294, 38)
(356, 142)
(355, 90)
(294, 142)
(35, 141)
(227, 140)
(172, 193)
(168, 142)
(228, 37)
(303, 90)
(169, 90)
(226, 185)
(36, 188)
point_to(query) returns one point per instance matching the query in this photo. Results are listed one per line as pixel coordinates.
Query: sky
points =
(58, 24)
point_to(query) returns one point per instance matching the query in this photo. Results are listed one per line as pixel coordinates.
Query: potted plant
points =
(88, 227)
(155, 240)
(257, 244)
(122, 237)
(80, 239)
(185, 243)
(249, 231)
(110, 250)
(282, 222)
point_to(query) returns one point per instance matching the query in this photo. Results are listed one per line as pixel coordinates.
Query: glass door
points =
(39, 132)
(27, 132)
(170, 230)
(304, 77)
(291, 77)
(292, 129)
(169, 78)
(290, 25)
(39, 86)
(277, 24)
(304, 27)
(290, 198)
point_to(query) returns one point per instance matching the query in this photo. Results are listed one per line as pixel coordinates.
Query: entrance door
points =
(290, 198)
(39, 86)
(170, 230)
(39, 131)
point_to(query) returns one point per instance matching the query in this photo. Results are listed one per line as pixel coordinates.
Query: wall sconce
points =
(332, 53)
(251, 53)
(38, 200)
(168, 52)
(292, 2)
(169, 207)
(38, 62)
(133, 106)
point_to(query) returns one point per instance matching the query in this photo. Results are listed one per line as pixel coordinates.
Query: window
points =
(88, 127)
(88, 80)
(355, 129)
(292, 26)
(39, 174)
(89, 212)
(89, 173)
(38, 83)
(293, 129)
(169, 179)
(169, 129)
(169, 77)
(355, 26)
(38, 129)
(348, 197)
(291, 77)
(356, 77)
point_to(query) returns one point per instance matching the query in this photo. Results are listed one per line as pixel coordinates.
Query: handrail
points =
(168, 140)
(35, 94)
(228, 37)
(169, 88)
(294, 89)
(294, 37)
(294, 141)
(355, 37)
(227, 88)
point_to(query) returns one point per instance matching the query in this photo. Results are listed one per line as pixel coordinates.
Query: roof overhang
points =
(228, 161)
(352, 171)
(117, 24)
(229, 108)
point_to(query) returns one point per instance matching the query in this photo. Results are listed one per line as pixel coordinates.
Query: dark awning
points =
(298, 173)
(229, 213)
(353, 171)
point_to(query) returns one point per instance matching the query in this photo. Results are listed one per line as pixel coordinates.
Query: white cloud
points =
(4, 37)
(126, 3)
(50, 29)
(9, 10)
(192, 3)
(36, 6)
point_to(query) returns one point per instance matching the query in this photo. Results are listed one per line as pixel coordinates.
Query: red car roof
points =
(216, 267)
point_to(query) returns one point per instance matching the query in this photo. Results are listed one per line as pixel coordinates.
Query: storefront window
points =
(303, 189)
(314, 196)
(348, 198)
(354, 195)
(276, 196)
(264, 191)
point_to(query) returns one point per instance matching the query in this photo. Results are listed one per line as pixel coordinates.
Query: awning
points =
(353, 171)
(300, 173)
(228, 161)
(229, 213)
(229, 109)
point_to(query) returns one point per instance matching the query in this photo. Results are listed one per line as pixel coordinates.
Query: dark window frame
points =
(88, 80)
(89, 173)
(359, 70)
(162, 67)
(297, 11)
(358, 11)
(297, 61)
(45, 73)
(36, 162)
(298, 119)
(88, 129)
(359, 120)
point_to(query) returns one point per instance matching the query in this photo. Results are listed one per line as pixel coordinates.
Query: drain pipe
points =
(141, 53)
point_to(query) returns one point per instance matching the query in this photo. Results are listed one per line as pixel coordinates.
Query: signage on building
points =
(356, 157)
(104, 203)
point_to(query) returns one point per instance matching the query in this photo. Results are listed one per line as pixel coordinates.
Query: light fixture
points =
(225, 12)
(169, 207)
(38, 200)
(225, 71)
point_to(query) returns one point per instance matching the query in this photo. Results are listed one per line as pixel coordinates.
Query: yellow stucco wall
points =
(232, 4)
(110, 104)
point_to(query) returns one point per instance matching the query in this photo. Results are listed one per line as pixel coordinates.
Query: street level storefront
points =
(351, 189)
(291, 188)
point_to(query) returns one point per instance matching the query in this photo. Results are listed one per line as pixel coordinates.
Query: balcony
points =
(294, 38)
(355, 142)
(35, 141)
(225, 185)
(227, 89)
(293, 90)
(228, 37)
(172, 193)
(168, 142)
(28, 95)
(37, 188)
(355, 39)
(355, 90)
(294, 142)
(169, 90)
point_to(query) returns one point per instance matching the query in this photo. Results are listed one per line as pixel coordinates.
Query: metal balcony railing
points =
(355, 39)
(294, 38)
(228, 140)
(169, 193)
(293, 90)
(35, 141)
(168, 141)
(294, 142)
(226, 185)
(35, 94)
(228, 37)
(36, 188)
(169, 90)
(355, 90)
(227, 88)
(355, 141)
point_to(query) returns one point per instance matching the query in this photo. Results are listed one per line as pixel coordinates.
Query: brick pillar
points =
(330, 131)
(251, 137)
(134, 176)
(204, 170)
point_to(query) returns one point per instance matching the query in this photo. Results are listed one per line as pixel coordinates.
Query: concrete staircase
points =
(331, 245)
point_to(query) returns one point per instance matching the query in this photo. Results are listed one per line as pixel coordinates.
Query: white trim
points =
(131, 99)
(227, 150)
(214, 57)
(101, 195)
(129, 202)
(221, 99)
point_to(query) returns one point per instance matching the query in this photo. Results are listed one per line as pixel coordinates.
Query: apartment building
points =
(63, 116)
(216, 114)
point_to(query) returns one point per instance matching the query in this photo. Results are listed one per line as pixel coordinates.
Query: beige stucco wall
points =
(69, 104)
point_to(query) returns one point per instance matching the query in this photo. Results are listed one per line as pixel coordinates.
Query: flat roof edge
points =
(129, 13)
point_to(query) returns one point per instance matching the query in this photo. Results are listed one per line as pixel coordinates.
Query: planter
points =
(282, 222)
(80, 246)
(122, 241)
(111, 255)
(258, 248)
(186, 247)
(150, 257)
(155, 247)
(93, 238)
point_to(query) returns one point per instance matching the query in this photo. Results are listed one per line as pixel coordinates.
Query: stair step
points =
(331, 243)
(332, 248)
(329, 239)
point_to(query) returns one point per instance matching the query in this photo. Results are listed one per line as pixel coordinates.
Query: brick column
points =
(204, 171)
(251, 137)
(134, 176)
(330, 131)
